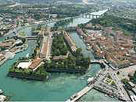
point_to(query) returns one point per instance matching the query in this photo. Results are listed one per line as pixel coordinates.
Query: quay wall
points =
(26, 76)
(59, 70)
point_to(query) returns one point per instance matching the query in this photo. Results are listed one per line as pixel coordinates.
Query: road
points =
(119, 85)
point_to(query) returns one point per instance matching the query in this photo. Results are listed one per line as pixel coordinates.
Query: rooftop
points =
(24, 65)
(35, 63)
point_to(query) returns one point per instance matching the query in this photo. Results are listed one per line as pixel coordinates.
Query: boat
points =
(105, 95)
(1, 91)
(12, 55)
(73, 96)
(90, 79)
(82, 78)
(88, 75)
(27, 55)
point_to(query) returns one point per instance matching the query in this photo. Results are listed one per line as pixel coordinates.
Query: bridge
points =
(99, 83)
(101, 62)
(96, 61)
(81, 93)
(94, 15)
(31, 37)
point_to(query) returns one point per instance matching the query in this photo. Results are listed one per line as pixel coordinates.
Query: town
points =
(57, 49)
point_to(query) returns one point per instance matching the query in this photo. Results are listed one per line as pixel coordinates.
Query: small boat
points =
(105, 95)
(73, 96)
(82, 78)
(12, 56)
(1, 92)
(88, 75)
(90, 79)
(27, 55)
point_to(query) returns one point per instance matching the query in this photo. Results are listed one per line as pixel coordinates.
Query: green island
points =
(63, 60)
(58, 46)
(29, 74)
(55, 52)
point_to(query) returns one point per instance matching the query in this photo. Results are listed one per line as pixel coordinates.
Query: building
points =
(24, 65)
(70, 42)
(45, 52)
(35, 64)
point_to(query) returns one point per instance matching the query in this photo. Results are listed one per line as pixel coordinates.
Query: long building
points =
(45, 52)
(70, 42)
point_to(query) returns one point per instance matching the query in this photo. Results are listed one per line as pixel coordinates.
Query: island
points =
(55, 52)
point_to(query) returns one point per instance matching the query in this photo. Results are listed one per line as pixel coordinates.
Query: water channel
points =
(59, 87)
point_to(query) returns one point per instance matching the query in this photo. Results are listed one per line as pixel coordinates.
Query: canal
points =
(58, 88)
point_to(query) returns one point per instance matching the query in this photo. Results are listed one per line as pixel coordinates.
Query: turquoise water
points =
(97, 96)
(58, 88)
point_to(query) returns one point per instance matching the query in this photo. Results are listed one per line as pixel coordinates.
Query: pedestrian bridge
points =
(94, 15)
(31, 37)
(102, 62)
(96, 61)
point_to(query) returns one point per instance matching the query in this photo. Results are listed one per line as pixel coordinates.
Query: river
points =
(58, 88)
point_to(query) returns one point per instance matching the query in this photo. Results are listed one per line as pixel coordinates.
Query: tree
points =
(78, 52)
